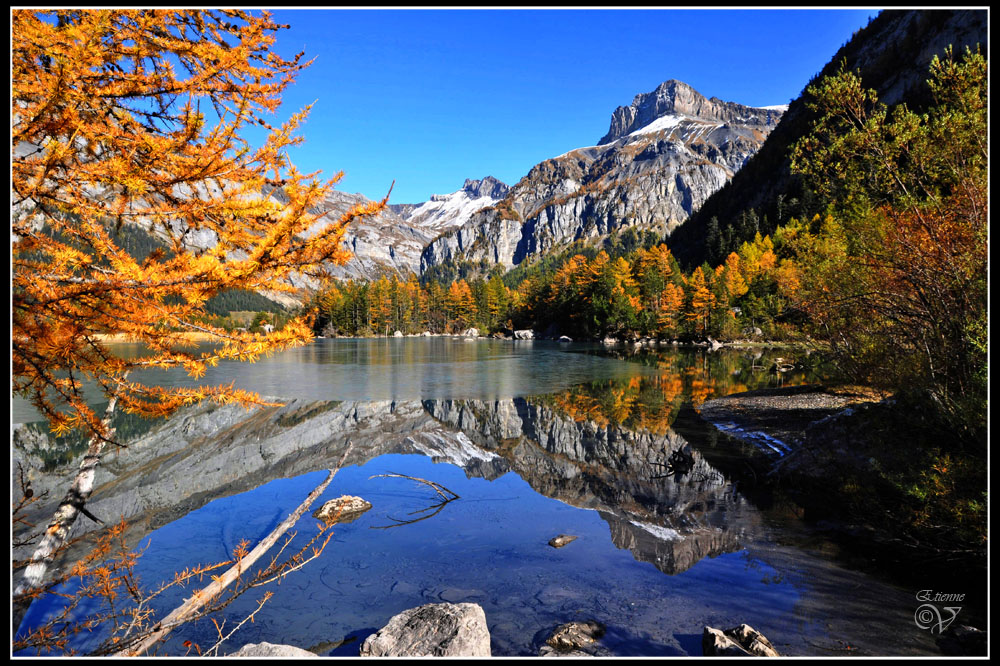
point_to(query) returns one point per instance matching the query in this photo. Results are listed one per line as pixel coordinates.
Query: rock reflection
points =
(660, 497)
(669, 520)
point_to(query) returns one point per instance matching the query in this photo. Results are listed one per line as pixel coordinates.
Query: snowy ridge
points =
(448, 211)
(445, 212)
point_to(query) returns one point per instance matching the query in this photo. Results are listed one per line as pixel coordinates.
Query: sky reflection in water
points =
(657, 557)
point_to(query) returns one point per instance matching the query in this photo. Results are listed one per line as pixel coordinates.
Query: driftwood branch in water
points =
(191, 606)
(446, 495)
(438, 488)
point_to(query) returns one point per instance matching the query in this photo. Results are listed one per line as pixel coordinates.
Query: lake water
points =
(537, 439)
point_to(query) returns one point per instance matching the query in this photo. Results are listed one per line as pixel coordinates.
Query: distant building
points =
(267, 328)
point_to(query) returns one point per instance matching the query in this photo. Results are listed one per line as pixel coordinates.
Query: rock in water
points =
(526, 334)
(741, 641)
(561, 540)
(271, 650)
(344, 509)
(963, 641)
(572, 637)
(432, 630)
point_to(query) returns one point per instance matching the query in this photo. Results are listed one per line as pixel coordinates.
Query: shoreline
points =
(816, 445)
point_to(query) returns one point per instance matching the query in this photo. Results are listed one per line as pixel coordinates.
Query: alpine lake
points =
(534, 439)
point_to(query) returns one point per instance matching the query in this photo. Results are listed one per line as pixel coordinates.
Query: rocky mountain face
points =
(384, 243)
(393, 241)
(661, 158)
(676, 98)
(445, 212)
(892, 54)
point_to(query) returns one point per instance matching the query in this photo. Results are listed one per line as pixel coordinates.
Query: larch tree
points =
(903, 290)
(140, 118)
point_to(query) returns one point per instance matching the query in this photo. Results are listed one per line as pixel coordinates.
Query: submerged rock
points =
(432, 630)
(271, 650)
(561, 540)
(741, 641)
(963, 641)
(344, 509)
(569, 639)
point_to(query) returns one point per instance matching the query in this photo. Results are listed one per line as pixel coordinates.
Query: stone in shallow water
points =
(573, 636)
(741, 641)
(561, 540)
(432, 630)
(963, 640)
(344, 509)
(271, 650)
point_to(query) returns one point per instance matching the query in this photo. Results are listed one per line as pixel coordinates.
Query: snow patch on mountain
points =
(445, 212)
(666, 122)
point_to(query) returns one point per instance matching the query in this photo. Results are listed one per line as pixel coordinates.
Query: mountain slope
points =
(392, 241)
(662, 157)
(893, 54)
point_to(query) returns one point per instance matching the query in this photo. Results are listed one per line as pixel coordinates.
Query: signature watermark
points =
(933, 616)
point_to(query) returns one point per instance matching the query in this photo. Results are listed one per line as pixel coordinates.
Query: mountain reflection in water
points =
(600, 459)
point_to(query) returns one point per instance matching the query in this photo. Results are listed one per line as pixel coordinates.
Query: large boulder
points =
(271, 650)
(471, 333)
(741, 641)
(525, 334)
(432, 630)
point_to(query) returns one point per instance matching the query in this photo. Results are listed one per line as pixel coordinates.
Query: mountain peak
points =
(673, 97)
(487, 187)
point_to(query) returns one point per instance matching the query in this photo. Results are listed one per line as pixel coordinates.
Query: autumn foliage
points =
(147, 117)
(898, 273)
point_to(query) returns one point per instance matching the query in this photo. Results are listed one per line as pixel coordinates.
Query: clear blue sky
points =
(429, 98)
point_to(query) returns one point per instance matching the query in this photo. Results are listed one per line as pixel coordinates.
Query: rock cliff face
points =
(383, 244)
(677, 98)
(661, 158)
(445, 212)
(393, 241)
